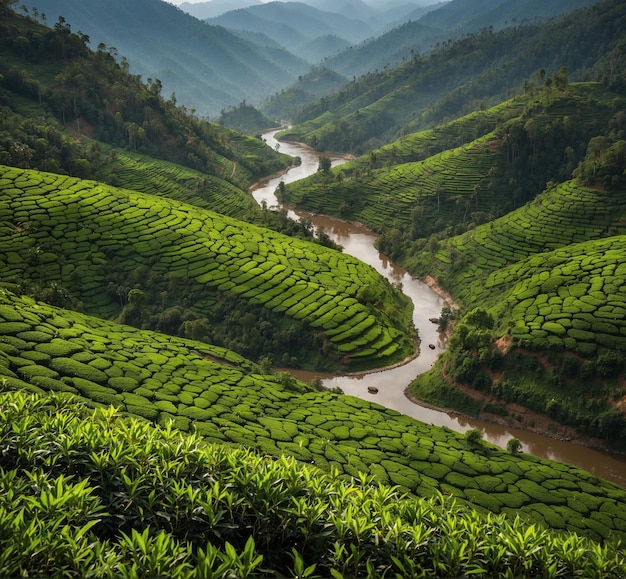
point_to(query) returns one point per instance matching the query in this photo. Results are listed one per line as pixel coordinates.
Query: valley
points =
(392, 384)
(200, 380)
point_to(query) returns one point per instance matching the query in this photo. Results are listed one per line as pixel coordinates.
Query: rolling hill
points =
(538, 271)
(139, 437)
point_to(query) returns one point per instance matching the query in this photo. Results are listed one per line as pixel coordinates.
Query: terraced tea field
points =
(89, 238)
(385, 199)
(476, 164)
(221, 396)
(566, 214)
(573, 297)
(164, 179)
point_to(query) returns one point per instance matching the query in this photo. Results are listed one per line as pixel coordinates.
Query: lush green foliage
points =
(207, 67)
(46, 70)
(99, 243)
(220, 395)
(246, 119)
(94, 494)
(463, 75)
(466, 171)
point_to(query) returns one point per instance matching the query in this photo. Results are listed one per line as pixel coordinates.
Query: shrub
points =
(69, 367)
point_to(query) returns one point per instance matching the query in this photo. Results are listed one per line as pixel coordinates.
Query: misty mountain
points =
(464, 16)
(389, 49)
(213, 8)
(428, 26)
(295, 25)
(208, 67)
(463, 75)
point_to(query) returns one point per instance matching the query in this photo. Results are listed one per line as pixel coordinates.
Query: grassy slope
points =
(156, 177)
(209, 511)
(221, 396)
(98, 242)
(460, 169)
(551, 273)
(93, 96)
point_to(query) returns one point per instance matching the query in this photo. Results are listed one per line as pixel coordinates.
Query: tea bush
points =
(224, 397)
(153, 262)
(93, 493)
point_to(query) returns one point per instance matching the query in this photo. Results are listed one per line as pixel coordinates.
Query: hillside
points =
(465, 171)
(463, 75)
(209, 511)
(555, 303)
(226, 399)
(58, 97)
(554, 340)
(204, 65)
(195, 271)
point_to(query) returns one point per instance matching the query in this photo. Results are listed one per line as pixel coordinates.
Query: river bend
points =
(392, 383)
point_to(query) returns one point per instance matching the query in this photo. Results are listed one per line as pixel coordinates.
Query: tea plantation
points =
(551, 275)
(100, 495)
(217, 394)
(98, 243)
(565, 214)
(465, 171)
(157, 177)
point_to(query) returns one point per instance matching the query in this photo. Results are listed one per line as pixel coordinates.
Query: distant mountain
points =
(310, 87)
(472, 15)
(464, 74)
(295, 25)
(208, 67)
(389, 49)
(423, 27)
(213, 8)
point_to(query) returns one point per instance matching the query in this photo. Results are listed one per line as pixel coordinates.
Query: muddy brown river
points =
(392, 383)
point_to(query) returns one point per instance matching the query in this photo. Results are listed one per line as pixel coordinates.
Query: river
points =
(392, 383)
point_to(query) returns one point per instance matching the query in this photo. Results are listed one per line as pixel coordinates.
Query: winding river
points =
(392, 383)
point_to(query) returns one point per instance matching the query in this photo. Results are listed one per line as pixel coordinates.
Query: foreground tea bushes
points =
(95, 242)
(91, 493)
(221, 396)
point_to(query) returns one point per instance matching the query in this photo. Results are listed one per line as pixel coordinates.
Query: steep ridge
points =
(464, 171)
(204, 65)
(378, 108)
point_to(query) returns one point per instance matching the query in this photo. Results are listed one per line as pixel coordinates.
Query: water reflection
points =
(392, 383)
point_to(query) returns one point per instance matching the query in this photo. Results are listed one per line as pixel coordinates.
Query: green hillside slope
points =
(208, 67)
(153, 262)
(551, 277)
(466, 171)
(221, 396)
(152, 502)
(463, 75)
(50, 73)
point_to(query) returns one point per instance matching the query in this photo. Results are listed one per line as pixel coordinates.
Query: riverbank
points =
(429, 298)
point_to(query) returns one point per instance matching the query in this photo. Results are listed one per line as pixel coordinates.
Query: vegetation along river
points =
(392, 383)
